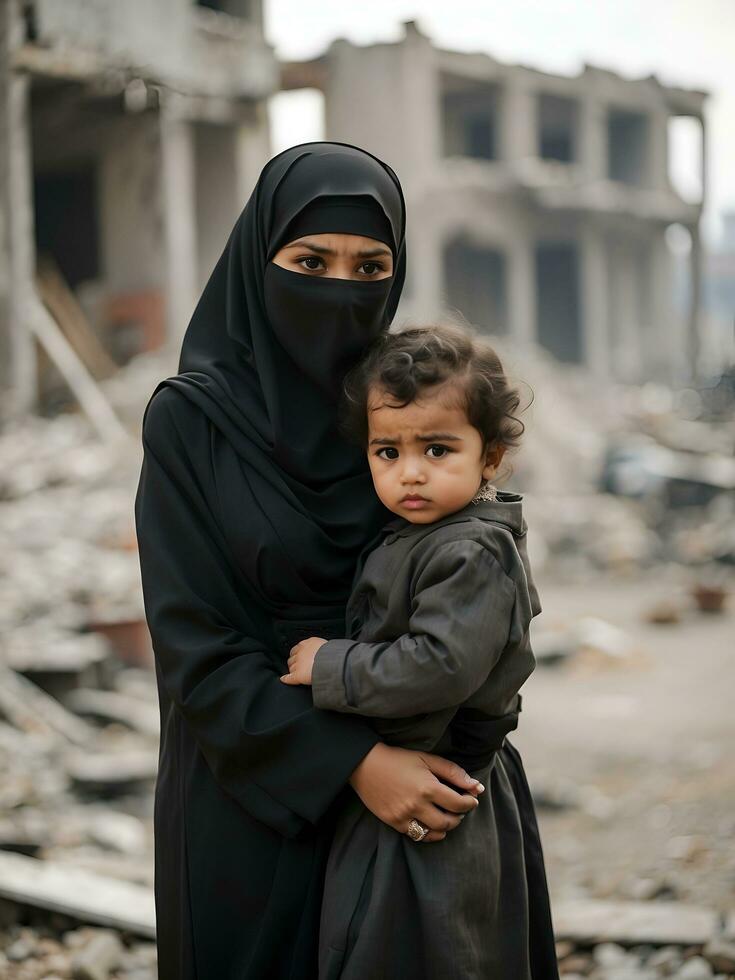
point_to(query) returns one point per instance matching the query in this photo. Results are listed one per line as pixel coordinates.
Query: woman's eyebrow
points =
(363, 253)
(370, 253)
(313, 246)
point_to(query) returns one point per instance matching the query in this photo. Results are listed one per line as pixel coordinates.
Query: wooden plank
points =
(64, 307)
(630, 923)
(80, 894)
(89, 395)
(32, 710)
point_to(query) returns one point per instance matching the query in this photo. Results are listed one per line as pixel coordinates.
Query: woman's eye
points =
(436, 452)
(392, 452)
(312, 262)
(370, 268)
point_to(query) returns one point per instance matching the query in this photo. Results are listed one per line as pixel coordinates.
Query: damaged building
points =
(130, 135)
(538, 203)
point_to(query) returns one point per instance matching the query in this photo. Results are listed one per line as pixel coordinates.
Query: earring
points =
(486, 492)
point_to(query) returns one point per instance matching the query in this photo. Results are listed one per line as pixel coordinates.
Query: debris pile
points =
(607, 940)
(617, 478)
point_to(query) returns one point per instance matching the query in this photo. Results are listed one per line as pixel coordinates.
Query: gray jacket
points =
(438, 618)
(438, 623)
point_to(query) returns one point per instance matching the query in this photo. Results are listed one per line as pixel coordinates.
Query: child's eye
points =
(436, 451)
(370, 268)
(391, 450)
(319, 263)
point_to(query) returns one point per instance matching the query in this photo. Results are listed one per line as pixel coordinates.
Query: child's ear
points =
(493, 458)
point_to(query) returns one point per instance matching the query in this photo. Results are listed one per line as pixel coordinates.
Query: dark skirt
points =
(474, 906)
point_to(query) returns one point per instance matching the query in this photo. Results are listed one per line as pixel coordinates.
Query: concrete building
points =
(130, 136)
(538, 204)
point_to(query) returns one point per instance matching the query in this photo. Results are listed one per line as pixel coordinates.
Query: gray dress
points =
(438, 623)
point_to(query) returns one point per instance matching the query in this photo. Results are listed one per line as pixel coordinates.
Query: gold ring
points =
(416, 831)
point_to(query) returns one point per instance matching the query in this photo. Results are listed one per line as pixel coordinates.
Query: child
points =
(438, 626)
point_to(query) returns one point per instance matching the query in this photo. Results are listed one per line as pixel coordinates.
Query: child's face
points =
(426, 459)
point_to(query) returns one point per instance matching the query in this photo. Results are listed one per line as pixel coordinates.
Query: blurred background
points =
(569, 170)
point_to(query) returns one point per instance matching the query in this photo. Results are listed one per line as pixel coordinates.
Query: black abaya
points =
(250, 513)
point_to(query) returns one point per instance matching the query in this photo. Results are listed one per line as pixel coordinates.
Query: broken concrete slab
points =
(111, 706)
(660, 923)
(112, 773)
(32, 710)
(78, 894)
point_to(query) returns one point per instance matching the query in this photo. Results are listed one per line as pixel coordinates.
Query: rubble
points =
(40, 954)
(77, 894)
(112, 774)
(659, 923)
(588, 635)
(110, 706)
(79, 717)
(96, 959)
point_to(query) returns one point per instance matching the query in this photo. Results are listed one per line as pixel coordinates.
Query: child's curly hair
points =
(406, 363)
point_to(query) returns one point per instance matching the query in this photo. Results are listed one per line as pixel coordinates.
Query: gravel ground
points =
(628, 759)
(640, 748)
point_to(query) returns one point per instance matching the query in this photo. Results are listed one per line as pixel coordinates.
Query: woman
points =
(251, 512)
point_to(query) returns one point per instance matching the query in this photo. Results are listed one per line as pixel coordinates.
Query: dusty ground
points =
(642, 748)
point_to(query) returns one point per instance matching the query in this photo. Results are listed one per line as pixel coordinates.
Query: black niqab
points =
(294, 500)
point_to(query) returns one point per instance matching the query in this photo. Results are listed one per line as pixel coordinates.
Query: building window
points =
(627, 147)
(235, 8)
(557, 128)
(557, 300)
(470, 118)
(475, 284)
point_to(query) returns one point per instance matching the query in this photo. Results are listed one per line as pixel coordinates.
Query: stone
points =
(20, 950)
(666, 960)
(697, 968)
(98, 958)
(721, 955)
(609, 954)
(576, 963)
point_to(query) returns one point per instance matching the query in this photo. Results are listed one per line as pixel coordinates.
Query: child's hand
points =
(301, 661)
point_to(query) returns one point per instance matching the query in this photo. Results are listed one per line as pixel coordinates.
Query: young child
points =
(438, 625)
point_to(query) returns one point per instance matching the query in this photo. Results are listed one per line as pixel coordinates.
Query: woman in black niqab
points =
(251, 511)
(273, 407)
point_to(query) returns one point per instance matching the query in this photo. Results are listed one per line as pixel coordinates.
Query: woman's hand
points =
(398, 785)
(301, 660)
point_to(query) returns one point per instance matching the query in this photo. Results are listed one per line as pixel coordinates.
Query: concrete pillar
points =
(417, 126)
(17, 241)
(426, 262)
(519, 120)
(665, 360)
(694, 340)
(594, 296)
(129, 192)
(693, 346)
(658, 150)
(593, 137)
(253, 150)
(627, 345)
(522, 288)
(179, 219)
